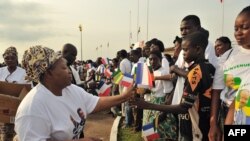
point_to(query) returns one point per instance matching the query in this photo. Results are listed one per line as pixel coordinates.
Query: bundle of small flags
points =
(149, 133)
(103, 89)
(143, 76)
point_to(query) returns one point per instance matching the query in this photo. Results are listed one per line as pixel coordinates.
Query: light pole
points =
(147, 17)
(80, 28)
(138, 27)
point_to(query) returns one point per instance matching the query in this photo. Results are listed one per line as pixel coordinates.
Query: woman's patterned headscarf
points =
(10, 51)
(37, 59)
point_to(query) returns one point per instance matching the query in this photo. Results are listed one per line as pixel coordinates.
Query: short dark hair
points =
(195, 19)
(157, 53)
(115, 60)
(69, 46)
(139, 50)
(123, 53)
(99, 60)
(89, 61)
(224, 40)
(136, 52)
(149, 43)
(245, 10)
(177, 39)
(160, 44)
(197, 39)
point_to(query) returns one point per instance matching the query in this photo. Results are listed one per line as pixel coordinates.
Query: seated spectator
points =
(12, 73)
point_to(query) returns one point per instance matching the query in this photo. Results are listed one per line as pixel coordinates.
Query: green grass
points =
(128, 134)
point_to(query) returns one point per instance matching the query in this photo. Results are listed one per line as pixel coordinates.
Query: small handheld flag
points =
(103, 89)
(149, 133)
(143, 76)
(117, 77)
(127, 80)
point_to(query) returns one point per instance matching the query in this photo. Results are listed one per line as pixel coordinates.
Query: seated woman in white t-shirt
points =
(55, 109)
(12, 73)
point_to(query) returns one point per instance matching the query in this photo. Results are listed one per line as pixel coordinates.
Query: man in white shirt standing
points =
(125, 67)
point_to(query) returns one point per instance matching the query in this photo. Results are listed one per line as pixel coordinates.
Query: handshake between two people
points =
(135, 96)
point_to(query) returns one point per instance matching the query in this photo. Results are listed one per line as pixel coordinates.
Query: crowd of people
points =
(197, 91)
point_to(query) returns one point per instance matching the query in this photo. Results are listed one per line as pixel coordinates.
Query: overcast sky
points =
(52, 23)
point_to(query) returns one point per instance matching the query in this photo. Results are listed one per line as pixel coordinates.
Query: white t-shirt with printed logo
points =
(42, 115)
(230, 73)
(242, 103)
